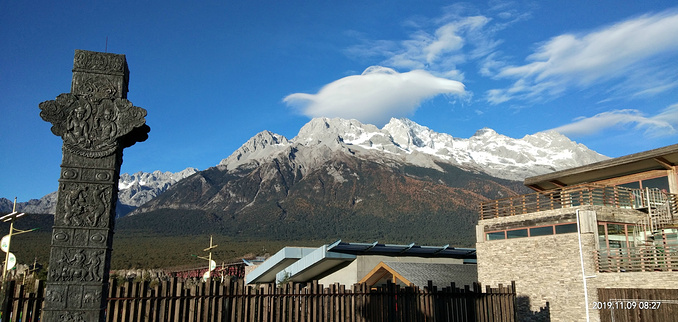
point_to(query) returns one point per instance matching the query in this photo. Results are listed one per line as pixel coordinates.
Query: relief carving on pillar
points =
(98, 62)
(78, 265)
(84, 205)
(67, 237)
(96, 122)
(82, 174)
(90, 124)
(90, 297)
(56, 296)
(72, 317)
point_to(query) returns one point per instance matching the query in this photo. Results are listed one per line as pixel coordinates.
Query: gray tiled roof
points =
(440, 274)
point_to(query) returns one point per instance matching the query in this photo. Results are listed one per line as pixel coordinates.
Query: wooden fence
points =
(185, 301)
(636, 305)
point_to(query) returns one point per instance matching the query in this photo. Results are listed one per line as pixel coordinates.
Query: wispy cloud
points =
(375, 96)
(618, 52)
(439, 48)
(664, 123)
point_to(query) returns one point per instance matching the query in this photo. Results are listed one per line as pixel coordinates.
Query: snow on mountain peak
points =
(410, 135)
(335, 130)
(404, 140)
(133, 191)
(257, 147)
(153, 180)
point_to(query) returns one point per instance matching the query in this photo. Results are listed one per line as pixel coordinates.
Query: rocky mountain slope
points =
(344, 179)
(134, 190)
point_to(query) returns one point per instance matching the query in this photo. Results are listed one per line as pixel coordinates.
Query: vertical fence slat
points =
(116, 305)
(234, 301)
(314, 299)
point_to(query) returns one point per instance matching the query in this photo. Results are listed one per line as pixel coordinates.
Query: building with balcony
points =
(587, 235)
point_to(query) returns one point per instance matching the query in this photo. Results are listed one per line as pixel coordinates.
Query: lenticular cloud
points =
(375, 96)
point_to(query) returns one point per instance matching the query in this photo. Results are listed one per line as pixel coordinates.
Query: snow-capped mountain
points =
(134, 190)
(343, 179)
(403, 140)
(138, 188)
(400, 142)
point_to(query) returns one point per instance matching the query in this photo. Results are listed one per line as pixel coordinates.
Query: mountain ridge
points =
(133, 191)
(399, 142)
(486, 151)
(343, 179)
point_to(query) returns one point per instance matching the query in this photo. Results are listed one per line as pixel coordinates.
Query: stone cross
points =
(96, 122)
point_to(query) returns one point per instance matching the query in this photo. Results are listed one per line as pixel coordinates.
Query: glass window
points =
(567, 228)
(518, 233)
(616, 229)
(671, 236)
(541, 231)
(602, 243)
(661, 183)
(496, 235)
(616, 235)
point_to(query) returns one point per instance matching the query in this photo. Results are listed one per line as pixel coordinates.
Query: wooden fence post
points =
(234, 301)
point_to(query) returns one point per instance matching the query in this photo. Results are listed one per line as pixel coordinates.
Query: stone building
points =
(583, 233)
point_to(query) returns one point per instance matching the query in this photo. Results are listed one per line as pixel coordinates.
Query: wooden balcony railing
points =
(599, 195)
(638, 259)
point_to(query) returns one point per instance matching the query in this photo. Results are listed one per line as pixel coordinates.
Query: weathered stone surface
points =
(96, 122)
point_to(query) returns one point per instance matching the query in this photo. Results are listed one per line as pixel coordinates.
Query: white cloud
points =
(438, 49)
(663, 124)
(448, 38)
(375, 96)
(617, 52)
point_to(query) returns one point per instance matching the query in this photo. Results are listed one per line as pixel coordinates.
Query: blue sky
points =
(211, 74)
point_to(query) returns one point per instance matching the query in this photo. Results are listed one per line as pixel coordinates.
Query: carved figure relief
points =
(75, 296)
(100, 196)
(55, 295)
(90, 297)
(85, 205)
(78, 265)
(72, 317)
(96, 88)
(93, 265)
(100, 62)
(90, 124)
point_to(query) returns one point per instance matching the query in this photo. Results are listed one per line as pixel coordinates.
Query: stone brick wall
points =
(547, 269)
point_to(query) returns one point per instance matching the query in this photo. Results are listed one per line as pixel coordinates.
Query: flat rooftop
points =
(658, 159)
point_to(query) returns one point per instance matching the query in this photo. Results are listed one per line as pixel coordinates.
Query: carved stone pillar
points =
(96, 122)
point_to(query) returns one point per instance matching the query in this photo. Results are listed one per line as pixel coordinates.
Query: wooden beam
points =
(536, 188)
(379, 271)
(558, 183)
(664, 163)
